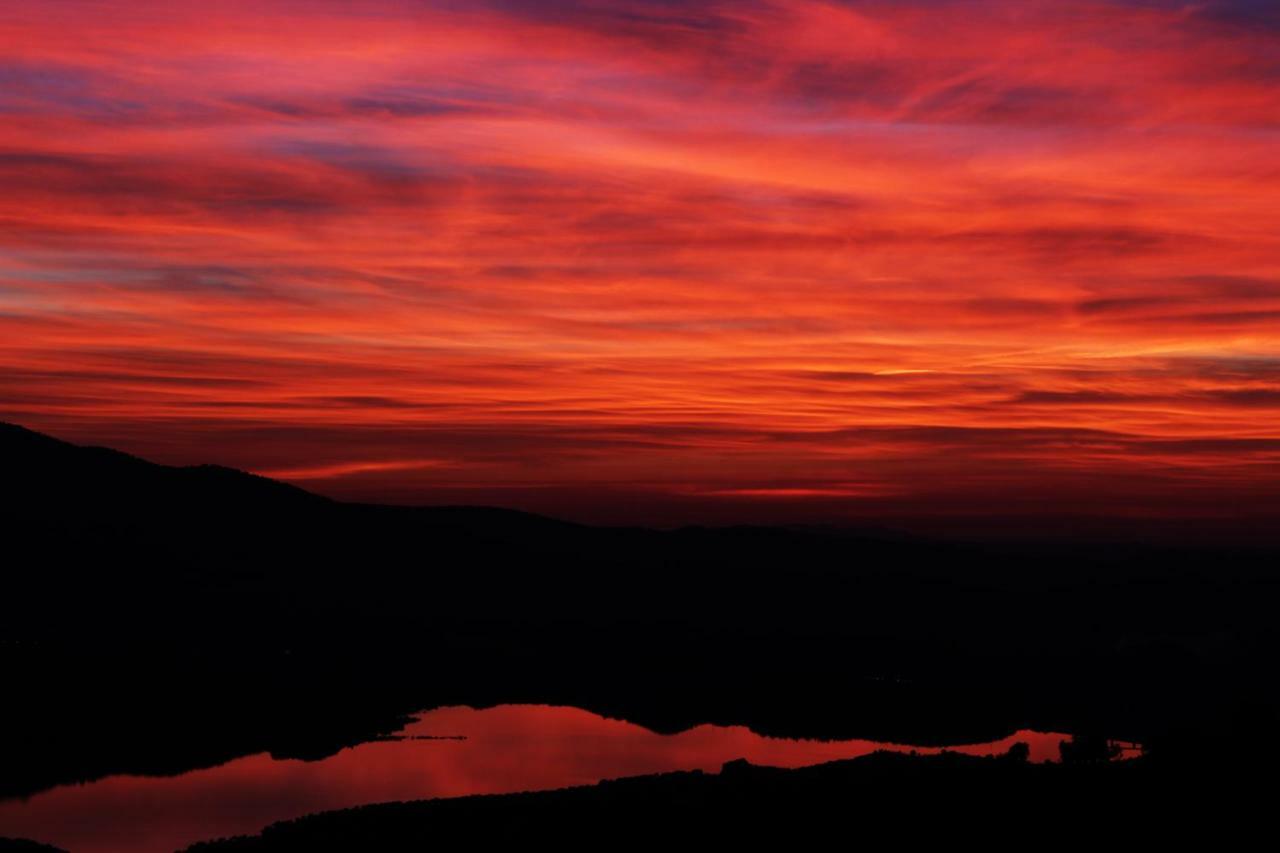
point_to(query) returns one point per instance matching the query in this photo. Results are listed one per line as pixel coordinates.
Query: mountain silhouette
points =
(167, 600)
(45, 475)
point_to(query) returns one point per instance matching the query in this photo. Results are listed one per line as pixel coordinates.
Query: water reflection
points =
(448, 752)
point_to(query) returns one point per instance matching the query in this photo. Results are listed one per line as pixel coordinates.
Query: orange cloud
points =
(587, 255)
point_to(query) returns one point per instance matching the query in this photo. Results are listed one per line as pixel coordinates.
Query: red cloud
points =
(940, 251)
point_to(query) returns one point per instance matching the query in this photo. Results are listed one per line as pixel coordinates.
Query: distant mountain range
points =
(165, 598)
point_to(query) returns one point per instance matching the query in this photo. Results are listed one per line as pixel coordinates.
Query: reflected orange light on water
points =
(507, 748)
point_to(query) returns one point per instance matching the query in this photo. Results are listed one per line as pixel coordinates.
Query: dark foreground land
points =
(906, 801)
(201, 614)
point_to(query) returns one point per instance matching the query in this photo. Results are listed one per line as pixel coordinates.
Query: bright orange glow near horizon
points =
(656, 261)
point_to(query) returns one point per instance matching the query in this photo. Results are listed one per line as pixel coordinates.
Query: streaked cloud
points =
(583, 256)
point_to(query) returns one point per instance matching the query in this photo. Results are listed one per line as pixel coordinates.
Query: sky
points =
(657, 262)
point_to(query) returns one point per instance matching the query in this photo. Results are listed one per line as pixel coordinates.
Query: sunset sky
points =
(656, 261)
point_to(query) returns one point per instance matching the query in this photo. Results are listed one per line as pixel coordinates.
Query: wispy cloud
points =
(893, 252)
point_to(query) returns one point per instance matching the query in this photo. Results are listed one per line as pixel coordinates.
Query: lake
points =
(446, 752)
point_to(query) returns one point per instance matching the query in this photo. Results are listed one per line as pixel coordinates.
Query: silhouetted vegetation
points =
(1088, 749)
